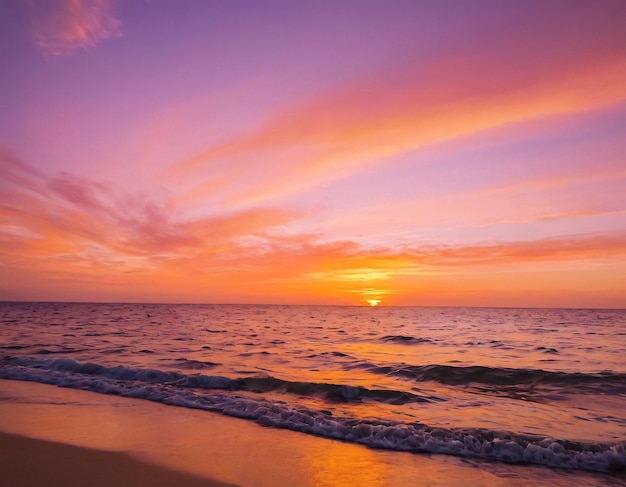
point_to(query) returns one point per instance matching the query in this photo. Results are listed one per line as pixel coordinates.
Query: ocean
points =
(531, 387)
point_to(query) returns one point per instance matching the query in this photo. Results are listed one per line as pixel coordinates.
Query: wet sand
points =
(68, 437)
(26, 462)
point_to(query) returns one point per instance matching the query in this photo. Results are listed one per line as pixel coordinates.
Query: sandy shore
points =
(64, 437)
(26, 462)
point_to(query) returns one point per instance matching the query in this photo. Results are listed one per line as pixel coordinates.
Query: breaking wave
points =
(206, 392)
(603, 382)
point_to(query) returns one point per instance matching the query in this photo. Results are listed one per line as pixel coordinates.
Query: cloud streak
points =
(74, 228)
(461, 93)
(60, 27)
(48, 217)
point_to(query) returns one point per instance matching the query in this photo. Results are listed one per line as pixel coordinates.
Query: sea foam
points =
(207, 392)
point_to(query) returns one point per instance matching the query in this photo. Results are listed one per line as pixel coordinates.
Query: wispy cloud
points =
(67, 214)
(72, 219)
(370, 120)
(61, 26)
(569, 248)
(69, 229)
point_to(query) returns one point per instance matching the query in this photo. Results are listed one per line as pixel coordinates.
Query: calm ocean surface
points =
(527, 386)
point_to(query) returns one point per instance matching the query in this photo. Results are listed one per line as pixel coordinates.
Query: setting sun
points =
(373, 302)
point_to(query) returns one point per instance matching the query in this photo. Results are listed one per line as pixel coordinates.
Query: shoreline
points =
(61, 426)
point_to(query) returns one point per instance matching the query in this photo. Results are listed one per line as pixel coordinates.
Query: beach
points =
(57, 436)
(31, 462)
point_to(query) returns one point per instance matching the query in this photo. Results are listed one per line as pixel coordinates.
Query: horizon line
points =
(161, 303)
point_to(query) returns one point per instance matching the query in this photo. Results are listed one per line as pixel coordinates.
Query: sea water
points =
(524, 386)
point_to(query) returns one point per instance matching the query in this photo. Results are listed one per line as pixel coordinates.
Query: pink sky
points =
(418, 153)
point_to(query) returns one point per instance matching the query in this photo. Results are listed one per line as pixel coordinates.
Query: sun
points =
(372, 302)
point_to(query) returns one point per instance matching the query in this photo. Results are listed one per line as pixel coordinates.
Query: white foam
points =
(181, 390)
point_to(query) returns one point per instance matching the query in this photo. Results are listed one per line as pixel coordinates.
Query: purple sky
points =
(417, 153)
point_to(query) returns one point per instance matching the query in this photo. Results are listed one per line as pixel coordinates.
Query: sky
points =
(427, 153)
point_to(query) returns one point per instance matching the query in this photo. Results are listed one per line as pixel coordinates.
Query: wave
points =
(600, 383)
(258, 384)
(185, 363)
(194, 391)
(405, 339)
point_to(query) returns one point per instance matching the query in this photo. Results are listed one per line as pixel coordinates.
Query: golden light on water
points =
(373, 302)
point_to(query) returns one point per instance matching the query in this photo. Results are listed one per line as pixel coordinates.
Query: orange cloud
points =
(565, 248)
(67, 237)
(274, 268)
(70, 219)
(62, 26)
(368, 121)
